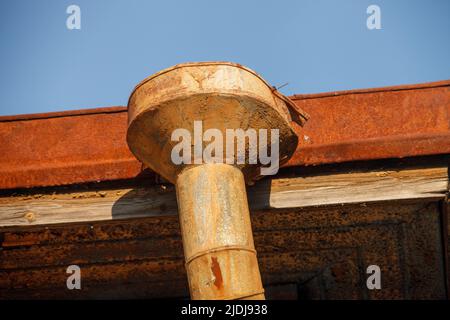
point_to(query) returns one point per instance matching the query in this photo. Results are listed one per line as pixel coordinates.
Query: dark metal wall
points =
(308, 253)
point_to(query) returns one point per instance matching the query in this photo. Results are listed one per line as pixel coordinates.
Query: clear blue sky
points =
(315, 46)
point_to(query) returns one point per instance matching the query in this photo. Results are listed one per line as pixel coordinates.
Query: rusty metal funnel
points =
(215, 223)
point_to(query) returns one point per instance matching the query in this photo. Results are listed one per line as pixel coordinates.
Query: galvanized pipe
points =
(217, 235)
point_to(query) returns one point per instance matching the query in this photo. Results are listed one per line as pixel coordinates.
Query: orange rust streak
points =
(215, 268)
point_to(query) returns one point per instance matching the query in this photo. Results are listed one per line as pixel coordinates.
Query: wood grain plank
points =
(277, 193)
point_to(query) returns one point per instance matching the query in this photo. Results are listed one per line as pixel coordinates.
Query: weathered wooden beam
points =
(359, 187)
(160, 200)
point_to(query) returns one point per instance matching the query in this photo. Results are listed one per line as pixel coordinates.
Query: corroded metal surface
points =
(65, 148)
(222, 95)
(324, 251)
(374, 124)
(89, 145)
(217, 235)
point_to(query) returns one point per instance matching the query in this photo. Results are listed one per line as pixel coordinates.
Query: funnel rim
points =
(290, 104)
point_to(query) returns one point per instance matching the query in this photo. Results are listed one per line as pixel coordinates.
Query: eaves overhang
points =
(73, 147)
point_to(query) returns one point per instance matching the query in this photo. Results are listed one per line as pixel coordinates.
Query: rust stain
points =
(215, 268)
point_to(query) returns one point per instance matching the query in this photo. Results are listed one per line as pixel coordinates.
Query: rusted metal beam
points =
(89, 145)
(65, 148)
(368, 124)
